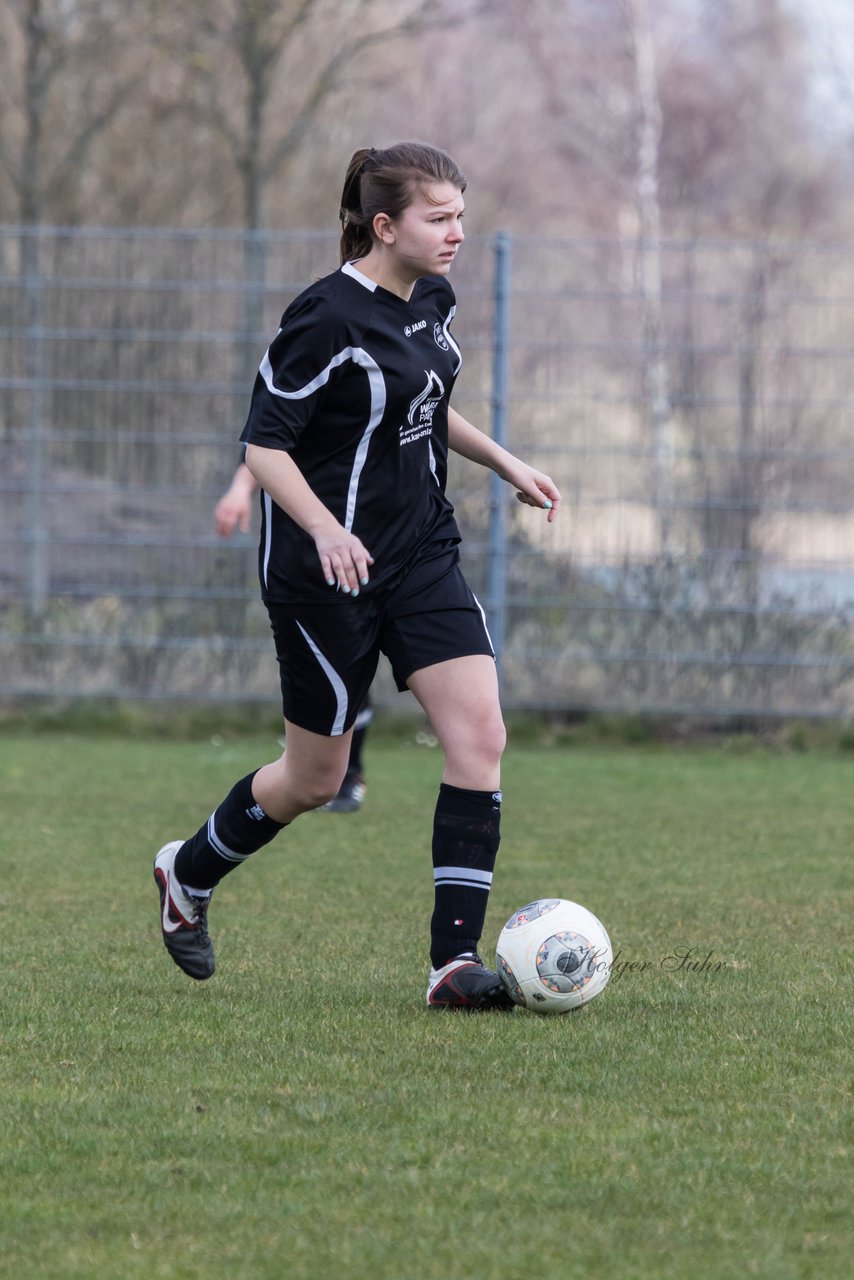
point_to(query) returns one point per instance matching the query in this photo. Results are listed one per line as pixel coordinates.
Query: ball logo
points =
(439, 336)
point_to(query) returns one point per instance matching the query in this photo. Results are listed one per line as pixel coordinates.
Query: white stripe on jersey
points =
(356, 354)
(463, 875)
(338, 686)
(450, 340)
(376, 383)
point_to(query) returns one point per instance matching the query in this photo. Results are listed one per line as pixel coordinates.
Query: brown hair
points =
(385, 181)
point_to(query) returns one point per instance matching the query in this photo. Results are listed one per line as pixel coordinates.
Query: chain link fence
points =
(693, 402)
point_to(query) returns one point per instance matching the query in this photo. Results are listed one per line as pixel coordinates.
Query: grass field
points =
(303, 1116)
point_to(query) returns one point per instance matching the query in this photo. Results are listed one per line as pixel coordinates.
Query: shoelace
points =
(200, 916)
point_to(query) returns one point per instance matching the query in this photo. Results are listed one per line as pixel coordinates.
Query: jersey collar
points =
(350, 269)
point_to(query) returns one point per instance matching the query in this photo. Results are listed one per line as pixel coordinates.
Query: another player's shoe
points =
(351, 796)
(183, 919)
(466, 983)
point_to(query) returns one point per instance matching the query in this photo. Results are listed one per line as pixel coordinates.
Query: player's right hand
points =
(345, 561)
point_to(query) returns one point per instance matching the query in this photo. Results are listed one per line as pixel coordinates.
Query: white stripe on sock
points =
(230, 855)
(463, 875)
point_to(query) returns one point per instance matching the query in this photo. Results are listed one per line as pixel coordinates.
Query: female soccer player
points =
(348, 435)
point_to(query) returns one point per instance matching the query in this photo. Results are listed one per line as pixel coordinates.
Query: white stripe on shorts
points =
(485, 627)
(338, 686)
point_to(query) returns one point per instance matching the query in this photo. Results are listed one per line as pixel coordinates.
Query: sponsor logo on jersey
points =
(439, 336)
(414, 328)
(419, 420)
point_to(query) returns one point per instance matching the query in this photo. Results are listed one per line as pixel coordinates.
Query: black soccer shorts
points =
(328, 653)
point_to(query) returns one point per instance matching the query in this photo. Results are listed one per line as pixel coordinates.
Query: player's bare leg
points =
(307, 775)
(460, 697)
(461, 700)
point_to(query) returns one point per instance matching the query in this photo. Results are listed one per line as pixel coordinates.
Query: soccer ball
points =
(554, 956)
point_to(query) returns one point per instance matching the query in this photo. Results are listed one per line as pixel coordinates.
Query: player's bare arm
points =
(343, 558)
(533, 487)
(234, 508)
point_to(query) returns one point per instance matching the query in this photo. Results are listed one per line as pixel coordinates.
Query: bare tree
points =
(656, 376)
(282, 60)
(738, 157)
(49, 52)
(56, 105)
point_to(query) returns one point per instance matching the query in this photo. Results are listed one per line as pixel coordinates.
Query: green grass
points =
(303, 1116)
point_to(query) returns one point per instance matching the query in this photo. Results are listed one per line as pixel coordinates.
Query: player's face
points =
(429, 232)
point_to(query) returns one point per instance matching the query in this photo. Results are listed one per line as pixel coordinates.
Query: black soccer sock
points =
(357, 742)
(236, 829)
(466, 834)
(354, 764)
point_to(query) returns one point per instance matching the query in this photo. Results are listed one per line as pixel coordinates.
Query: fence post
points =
(497, 537)
(35, 517)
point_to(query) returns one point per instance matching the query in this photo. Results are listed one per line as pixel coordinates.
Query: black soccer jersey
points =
(355, 387)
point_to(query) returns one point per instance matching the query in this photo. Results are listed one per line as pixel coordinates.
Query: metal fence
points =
(693, 401)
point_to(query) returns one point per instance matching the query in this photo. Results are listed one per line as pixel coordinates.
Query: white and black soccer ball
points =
(554, 956)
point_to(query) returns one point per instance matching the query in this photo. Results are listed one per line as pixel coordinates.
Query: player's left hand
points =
(536, 489)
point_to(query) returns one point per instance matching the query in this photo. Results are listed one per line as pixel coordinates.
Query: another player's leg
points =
(252, 814)
(351, 795)
(460, 697)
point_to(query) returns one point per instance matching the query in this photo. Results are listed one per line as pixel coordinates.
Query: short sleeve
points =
(310, 345)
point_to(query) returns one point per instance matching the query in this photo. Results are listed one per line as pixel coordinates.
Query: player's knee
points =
(321, 788)
(304, 788)
(482, 738)
(495, 737)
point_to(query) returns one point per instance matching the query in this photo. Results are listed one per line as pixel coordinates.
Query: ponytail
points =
(355, 234)
(385, 181)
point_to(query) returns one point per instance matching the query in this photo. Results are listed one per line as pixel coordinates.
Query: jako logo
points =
(415, 328)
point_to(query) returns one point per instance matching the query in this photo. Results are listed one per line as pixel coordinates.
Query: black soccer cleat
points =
(183, 919)
(351, 797)
(466, 983)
